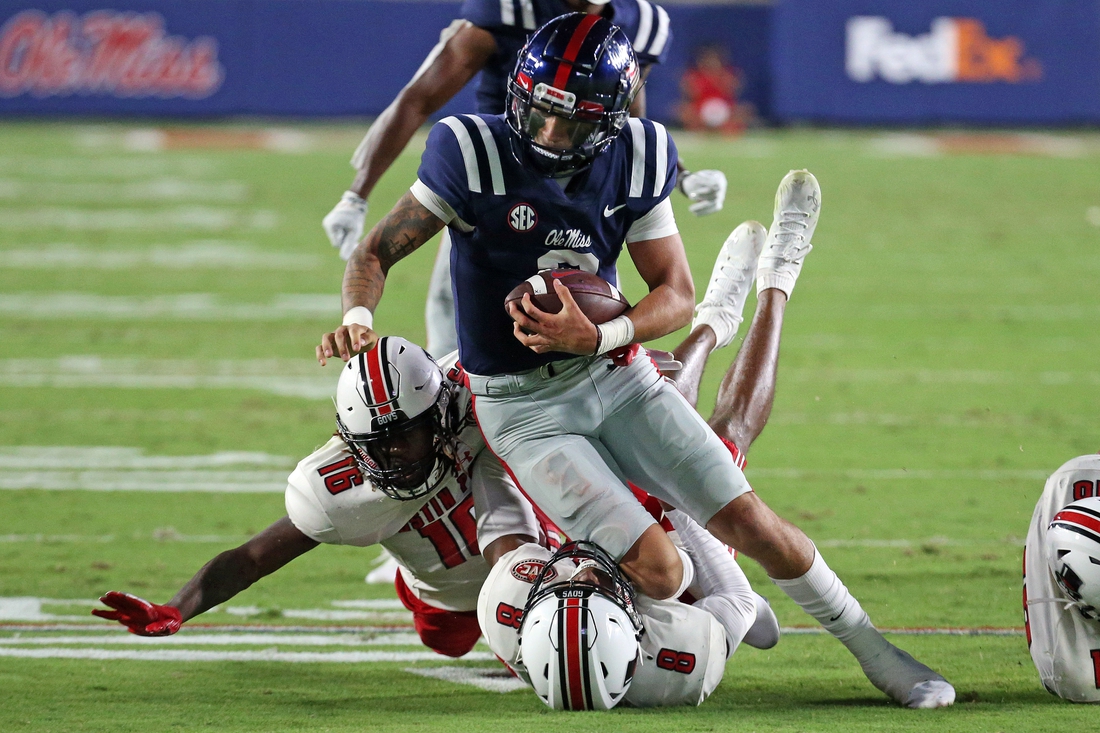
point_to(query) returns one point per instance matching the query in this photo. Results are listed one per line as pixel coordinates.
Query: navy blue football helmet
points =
(569, 94)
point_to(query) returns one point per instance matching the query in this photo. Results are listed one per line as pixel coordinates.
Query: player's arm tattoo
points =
(408, 225)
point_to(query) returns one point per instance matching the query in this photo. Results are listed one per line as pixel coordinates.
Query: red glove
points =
(624, 355)
(140, 616)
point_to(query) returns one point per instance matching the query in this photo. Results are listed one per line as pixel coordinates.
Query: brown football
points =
(598, 299)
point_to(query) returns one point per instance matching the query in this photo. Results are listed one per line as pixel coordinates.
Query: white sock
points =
(821, 594)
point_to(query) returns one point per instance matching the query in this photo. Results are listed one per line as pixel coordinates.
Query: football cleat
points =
(907, 681)
(797, 206)
(730, 282)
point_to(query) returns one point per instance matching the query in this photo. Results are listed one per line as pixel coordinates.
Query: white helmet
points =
(393, 409)
(579, 639)
(1073, 553)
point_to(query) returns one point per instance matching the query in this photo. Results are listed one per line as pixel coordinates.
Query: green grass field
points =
(161, 292)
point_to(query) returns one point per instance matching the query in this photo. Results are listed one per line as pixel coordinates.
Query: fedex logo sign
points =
(954, 50)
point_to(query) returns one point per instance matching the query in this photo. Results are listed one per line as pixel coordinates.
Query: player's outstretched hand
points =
(139, 615)
(706, 189)
(567, 331)
(345, 342)
(344, 224)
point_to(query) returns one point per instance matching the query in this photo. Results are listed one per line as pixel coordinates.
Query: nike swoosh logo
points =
(608, 211)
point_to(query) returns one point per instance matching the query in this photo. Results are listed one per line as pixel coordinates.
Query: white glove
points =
(344, 224)
(706, 189)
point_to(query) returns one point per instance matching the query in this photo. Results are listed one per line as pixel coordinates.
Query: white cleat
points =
(907, 681)
(797, 206)
(386, 572)
(931, 694)
(730, 282)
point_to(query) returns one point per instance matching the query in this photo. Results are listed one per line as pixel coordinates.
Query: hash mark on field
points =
(184, 256)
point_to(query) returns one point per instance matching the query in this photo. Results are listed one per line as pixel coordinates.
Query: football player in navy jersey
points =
(552, 183)
(487, 38)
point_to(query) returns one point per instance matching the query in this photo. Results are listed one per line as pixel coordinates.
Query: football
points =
(598, 299)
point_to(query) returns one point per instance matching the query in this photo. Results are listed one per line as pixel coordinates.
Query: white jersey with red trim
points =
(683, 647)
(1065, 645)
(435, 540)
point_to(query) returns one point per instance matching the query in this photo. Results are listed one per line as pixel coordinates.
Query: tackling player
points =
(487, 39)
(405, 470)
(554, 183)
(1062, 581)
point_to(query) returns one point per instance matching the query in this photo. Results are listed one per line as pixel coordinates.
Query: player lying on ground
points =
(553, 182)
(405, 471)
(486, 39)
(593, 645)
(1062, 581)
(412, 484)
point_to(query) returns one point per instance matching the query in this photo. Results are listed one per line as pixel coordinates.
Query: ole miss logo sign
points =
(527, 570)
(104, 53)
(522, 218)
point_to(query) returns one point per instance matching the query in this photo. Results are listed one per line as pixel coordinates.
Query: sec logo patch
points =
(522, 218)
(528, 570)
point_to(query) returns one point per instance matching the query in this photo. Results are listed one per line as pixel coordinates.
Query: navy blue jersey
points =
(511, 21)
(524, 222)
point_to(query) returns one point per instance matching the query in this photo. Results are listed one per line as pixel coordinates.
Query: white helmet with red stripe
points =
(579, 639)
(393, 409)
(1073, 553)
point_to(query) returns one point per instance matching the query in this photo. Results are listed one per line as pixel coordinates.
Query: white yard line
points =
(365, 638)
(154, 190)
(179, 655)
(283, 377)
(180, 218)
(94, 167)
(182, 306)
(190, 255)
(492, 679)
(48, 457)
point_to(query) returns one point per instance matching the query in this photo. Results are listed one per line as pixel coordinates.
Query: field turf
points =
(161, 292)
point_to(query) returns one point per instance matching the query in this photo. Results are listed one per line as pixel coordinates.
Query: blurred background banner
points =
(968, 61)
(288, 57)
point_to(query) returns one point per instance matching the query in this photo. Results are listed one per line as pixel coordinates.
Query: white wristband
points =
(359, 315)
(615, 333)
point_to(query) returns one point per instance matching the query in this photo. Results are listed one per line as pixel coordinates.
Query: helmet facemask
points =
(406, 460)
(561, 120)
(395, 411)
(579, 638)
